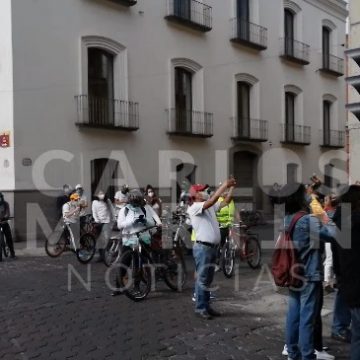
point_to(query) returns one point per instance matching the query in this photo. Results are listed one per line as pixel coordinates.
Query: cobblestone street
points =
(42, 318)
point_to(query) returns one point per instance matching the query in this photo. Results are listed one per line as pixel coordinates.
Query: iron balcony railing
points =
(191, 13)
(332, 64)
(249, 34)
(250, 129)
(107, 113)
(332, 138)
(295, 51)
(189, 123)
(296, 134)
(125, 2)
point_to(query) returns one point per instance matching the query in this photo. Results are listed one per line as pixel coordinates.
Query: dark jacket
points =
(347, 261)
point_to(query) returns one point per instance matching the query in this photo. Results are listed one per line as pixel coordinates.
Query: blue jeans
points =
(355, 333)
(342, 315)
(205, 258)
(300, 321)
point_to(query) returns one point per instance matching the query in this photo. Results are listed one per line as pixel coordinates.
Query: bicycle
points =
(4, 247)
(113, 250)
(85, 251)
(243, 243)
(139, 261)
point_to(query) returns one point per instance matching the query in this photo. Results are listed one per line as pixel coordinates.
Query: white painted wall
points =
(47, 75)
(7, 168)
(353, 122)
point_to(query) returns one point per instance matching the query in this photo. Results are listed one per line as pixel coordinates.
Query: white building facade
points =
(353, 98)
(107, 92)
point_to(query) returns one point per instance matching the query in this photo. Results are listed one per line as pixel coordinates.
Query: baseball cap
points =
(78, 186)
(196, 188)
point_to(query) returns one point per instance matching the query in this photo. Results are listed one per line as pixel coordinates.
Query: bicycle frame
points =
(71, 235)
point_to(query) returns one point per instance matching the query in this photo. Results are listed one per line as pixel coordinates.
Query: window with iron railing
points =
(192, 13)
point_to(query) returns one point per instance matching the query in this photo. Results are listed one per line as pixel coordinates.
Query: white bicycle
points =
(84, 252)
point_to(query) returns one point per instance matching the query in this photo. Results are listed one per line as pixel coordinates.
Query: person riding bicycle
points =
(4, 225)
(225, 217)
(134, 217)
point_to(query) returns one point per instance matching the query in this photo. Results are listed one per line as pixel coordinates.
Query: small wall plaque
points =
(26, 162)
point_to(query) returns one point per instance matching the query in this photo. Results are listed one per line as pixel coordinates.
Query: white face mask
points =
(205, 195)
(101, 197)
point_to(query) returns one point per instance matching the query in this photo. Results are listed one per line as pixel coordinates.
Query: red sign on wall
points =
(5, 140)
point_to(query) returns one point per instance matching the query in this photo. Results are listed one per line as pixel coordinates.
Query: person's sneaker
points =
(343, 336)
(212, 296)
(116, 293)
(328, 289)
(193, 297)
(323, 355)
(203, 315)
(217, 268)
(285, 351)
(213, 312)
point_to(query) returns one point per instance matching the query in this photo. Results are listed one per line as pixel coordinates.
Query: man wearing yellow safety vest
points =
(225, 217)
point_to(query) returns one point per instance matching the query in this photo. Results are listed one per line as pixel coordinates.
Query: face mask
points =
(101, 197)
(205, 195)
(66, 191)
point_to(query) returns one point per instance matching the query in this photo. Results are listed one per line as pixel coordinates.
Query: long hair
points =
(293, 196)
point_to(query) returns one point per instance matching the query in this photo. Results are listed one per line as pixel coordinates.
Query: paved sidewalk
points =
(43, 317)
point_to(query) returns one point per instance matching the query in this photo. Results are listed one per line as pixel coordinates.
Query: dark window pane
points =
(100, 86)
(289, 32)
(290, 116)
(326, 122)
(243, 108)
(326, 47)
(183, 99)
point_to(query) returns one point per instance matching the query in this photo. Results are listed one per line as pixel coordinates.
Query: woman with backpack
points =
(304, 233)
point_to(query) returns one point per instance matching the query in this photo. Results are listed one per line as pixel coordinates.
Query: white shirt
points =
(103, 212)
(126, 222)
(204, 222)
(121, 197)
(67, 207)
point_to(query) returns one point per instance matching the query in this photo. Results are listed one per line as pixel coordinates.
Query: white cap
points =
(78, 186)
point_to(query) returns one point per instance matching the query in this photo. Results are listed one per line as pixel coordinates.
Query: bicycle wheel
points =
(253, 252)
(228, 259)
(112, 253)
(55, 250)
(175, 271)
(136, 281)
(87, 248)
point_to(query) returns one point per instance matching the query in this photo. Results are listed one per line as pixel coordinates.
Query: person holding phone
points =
(202, 213)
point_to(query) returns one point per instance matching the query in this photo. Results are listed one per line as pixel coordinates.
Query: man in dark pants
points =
(4, 225)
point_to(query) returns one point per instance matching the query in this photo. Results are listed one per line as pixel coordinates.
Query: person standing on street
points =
(4, 225)
(202, 213)
(62, 199)
(104, 216)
